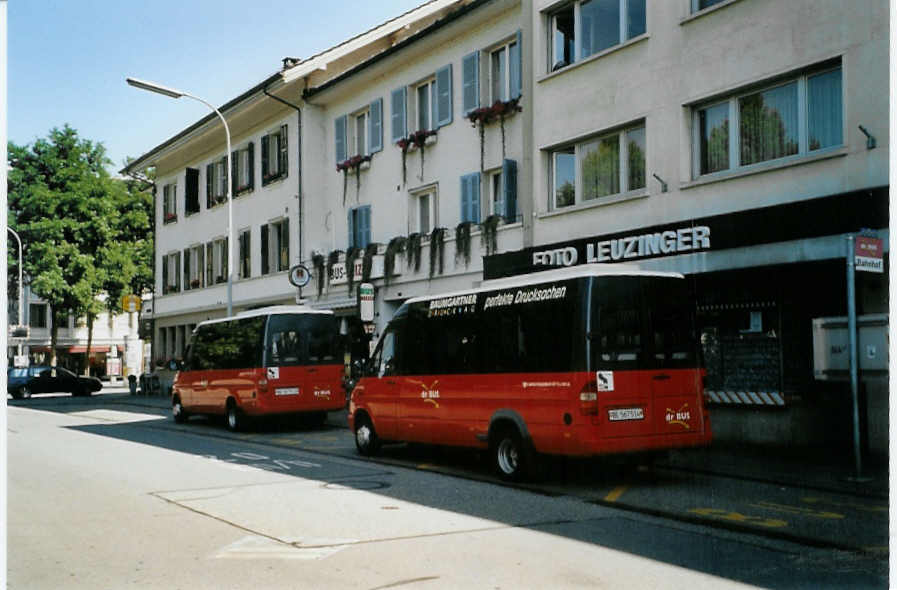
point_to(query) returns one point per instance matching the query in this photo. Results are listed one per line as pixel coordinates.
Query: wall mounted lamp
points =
(870, 139)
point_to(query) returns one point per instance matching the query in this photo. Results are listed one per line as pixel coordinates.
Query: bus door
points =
(382, 392)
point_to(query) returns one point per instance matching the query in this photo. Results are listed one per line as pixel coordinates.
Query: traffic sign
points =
(300, 275)
(868, 254)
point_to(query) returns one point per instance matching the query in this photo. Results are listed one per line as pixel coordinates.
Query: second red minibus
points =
(275, 360)
(580, 361)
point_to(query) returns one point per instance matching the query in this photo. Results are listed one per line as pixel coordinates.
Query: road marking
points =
(855, 505)
(257, 547)
(797, 510)
(738, 517)
(615, 493)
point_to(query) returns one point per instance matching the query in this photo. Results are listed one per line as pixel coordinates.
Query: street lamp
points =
(172, 93)
(21, 288)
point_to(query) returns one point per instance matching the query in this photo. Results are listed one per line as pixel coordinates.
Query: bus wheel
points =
(234, 418)
(25, 392)
(509, 456)
(366, 440)
(177, 411)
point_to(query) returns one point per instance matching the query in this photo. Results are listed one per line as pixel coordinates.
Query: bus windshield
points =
(642, 322)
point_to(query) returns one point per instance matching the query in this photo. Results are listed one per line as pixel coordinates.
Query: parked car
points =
(22, 382)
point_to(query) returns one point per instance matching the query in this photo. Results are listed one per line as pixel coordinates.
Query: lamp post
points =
(21, 287)
(172, 93)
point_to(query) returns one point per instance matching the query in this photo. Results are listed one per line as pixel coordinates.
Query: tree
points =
(59, 202)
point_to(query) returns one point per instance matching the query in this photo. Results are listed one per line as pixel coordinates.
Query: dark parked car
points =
(22, 382)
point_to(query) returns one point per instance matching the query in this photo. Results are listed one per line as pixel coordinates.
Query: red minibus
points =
(274, 360)
(580, 361)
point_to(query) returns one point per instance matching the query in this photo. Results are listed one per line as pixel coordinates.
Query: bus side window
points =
(387, 364)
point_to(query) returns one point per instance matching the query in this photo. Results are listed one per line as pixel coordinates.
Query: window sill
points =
(764, 167)
(273, 179)
(595, 57)
(169, 220)
(363, 166)
(595, 203)
(705, 11)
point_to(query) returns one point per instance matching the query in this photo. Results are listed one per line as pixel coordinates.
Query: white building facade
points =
(735, 141)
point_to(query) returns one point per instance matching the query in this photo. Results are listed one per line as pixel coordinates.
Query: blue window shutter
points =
(509, 188)
(475, 198)
(263, 146)
(375, 126)
(251, 165)
(350, 221)
(364, 234)
(470, 81)
(444, 96)
(465, 198)
(340, 138)
(515, 67)
(397, 113)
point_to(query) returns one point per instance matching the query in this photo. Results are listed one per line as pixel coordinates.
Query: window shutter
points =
(263, 145)
(515, 67)
(509, 188)
(164, 275)
(210, 257)
(284, 169)
(470, 81)
(177, 266)
(186, 269)
(191, 190)
(200, 265)
(209, 169)
(350, 224)
(224, 258)
(226, 175)
(470, 197)
(340, 138)
(364, 232)
(251, 171)
(234, 163)
(443, 96)
(284, 244)
(375, 126)
(398, 101)
(264, 244)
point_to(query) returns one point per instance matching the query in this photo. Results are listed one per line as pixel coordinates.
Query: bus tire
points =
(233, 417)
(366, 440)
(177, 411)
(510, 458)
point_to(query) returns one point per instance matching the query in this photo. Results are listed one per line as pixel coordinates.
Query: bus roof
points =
(272, 309)
(557, 274)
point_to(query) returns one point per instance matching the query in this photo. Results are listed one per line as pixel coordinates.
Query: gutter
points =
(300, 212)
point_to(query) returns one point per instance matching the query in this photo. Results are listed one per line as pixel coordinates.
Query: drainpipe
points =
(300, 212)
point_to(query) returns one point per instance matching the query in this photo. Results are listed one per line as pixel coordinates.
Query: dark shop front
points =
(767, 284)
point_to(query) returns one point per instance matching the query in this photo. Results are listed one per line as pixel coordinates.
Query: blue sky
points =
(68, 59)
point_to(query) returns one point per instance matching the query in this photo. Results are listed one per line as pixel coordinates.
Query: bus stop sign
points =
(299, 275)
(867, 254)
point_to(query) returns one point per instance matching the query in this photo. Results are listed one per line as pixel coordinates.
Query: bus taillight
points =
(588, 399)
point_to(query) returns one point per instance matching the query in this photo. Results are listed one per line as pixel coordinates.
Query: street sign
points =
(868, 254)
(299, 275)
(366, 302)
(130, 303)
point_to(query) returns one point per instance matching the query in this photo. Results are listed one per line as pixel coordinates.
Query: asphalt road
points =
(165, 505)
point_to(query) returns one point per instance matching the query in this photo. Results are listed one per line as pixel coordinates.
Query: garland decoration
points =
(332, 259)
(490, 233)
(482, 116)
(417, 139)
(353, 163)
(395, 246)
(462, 242)
(351, 256)
(317, 260)
(414, 246)
(437, 248)
(367, 261)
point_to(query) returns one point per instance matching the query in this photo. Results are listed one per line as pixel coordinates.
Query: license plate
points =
(626, 414)
(286, 391)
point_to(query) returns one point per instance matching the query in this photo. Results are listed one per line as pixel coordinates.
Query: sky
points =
(68, 60)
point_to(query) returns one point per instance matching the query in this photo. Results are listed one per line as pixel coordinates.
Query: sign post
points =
(864, 254)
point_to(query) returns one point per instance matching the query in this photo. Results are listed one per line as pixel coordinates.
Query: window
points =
(276, 246)
(171, 277)
(359, 220)
(245, 265)
(697, 5)
(216, 261)
(169, 203)
(788, 119)
(504, 72)
(37, 315)
(243, 169)
(359, 134)
(191, 191)
(607, 165)
(587, 27)
(216, 183)
(423, 95)
(274, 155)
(430, 104)
(502, 187)
(193, 267)
(470, 198)
(423, 211)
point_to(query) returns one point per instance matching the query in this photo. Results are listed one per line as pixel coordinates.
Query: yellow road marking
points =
(856, 505)
(797, 510)
(615, 493)
(738, 517)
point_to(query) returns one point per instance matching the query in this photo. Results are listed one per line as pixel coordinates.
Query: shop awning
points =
(79, 349)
